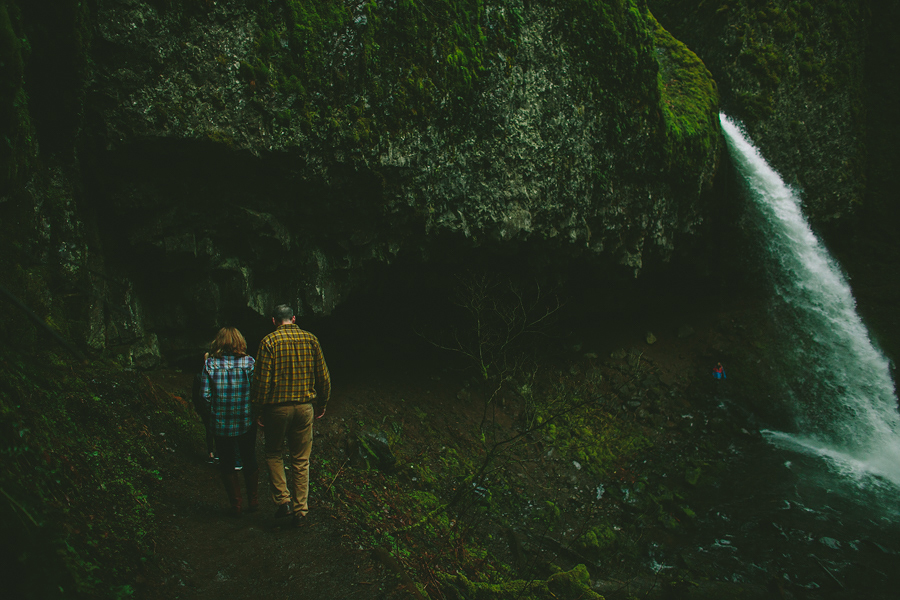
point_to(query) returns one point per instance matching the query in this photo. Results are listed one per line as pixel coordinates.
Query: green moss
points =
(220, 137)
(548, 514)
(596, 542)
(595, 439)
(689, 101)
(404, 59)
(74, 506)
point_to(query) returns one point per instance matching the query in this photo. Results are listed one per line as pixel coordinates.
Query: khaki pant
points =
(294, 422)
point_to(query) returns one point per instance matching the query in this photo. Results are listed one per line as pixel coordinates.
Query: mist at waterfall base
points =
(815, 505)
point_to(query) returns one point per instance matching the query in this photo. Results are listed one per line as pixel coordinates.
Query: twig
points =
(336, 475)
(830, 574)
(20, 507)
(431, 576)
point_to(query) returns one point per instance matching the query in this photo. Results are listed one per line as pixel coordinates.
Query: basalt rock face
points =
(231, 155)
(794, 74)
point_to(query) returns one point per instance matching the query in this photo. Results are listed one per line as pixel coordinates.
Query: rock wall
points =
(230, 155)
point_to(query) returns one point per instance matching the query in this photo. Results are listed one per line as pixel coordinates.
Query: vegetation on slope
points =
(79, 446)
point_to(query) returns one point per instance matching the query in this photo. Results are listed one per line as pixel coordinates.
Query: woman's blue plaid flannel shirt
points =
(225, 387)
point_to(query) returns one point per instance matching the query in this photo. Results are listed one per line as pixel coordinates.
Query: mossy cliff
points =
(208, 144)
(794, 73)
(83, 448)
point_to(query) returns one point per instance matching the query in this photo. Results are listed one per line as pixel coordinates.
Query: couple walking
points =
(282, 392)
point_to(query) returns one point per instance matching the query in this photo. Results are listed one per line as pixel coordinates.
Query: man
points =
(291, 385)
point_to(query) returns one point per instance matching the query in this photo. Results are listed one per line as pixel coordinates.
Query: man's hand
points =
(320, 412)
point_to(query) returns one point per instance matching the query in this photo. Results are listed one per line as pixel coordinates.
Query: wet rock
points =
(185, 100)
(146, 355)
(830, 543)
(371, 449)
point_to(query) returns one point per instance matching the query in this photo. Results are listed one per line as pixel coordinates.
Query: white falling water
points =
(836, 381)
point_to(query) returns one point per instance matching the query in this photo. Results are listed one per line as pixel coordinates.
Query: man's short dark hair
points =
(282, 313)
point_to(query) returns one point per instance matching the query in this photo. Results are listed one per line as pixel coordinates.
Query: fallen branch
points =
(20, 507)
(328, 487)
(830, 574)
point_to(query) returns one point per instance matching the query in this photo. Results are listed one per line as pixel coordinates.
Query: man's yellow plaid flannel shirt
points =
(290, 368)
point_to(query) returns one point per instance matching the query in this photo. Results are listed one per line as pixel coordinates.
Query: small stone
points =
(830, 542)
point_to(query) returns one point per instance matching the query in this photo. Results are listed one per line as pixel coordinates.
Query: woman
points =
(225, 387)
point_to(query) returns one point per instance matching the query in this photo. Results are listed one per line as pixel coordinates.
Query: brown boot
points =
(251, 479)
(233, 489)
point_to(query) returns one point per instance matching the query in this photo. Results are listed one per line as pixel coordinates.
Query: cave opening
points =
(414, 319)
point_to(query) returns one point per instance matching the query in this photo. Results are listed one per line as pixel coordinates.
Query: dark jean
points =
(228, 447)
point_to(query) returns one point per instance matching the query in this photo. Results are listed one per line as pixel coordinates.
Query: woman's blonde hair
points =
(228, 341)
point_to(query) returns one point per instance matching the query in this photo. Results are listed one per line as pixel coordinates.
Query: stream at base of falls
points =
(793, 521)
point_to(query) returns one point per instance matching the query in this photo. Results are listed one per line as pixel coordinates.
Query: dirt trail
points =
(204, 554)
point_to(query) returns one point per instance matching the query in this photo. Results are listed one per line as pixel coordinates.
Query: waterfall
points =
(837, 384)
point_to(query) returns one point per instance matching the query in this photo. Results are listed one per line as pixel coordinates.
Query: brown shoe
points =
(298, 520)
